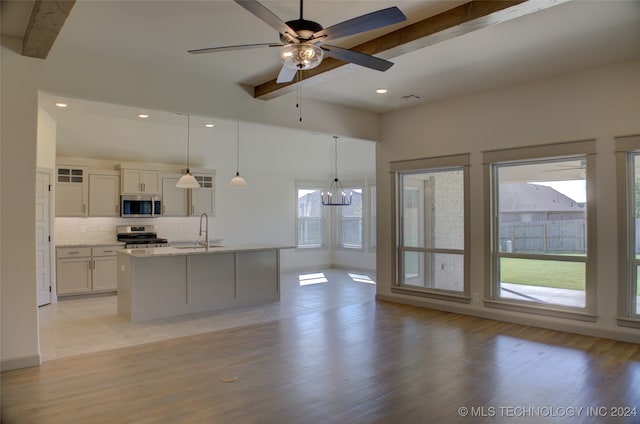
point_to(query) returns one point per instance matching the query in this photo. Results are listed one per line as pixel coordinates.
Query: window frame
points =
(337, 219)
(525, 155)
(627, 147)
(372, 217)
(323, 217)
(433, 164)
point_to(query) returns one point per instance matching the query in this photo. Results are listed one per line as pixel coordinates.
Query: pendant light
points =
(335, 195)
(187, 180)
(238, 181)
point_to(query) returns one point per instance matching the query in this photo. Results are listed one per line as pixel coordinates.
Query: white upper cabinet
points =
(104, 193)
(174, 199)
(137, 181)
(71, 191)
(203, 198)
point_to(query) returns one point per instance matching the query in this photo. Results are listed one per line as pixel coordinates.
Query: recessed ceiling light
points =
(381, 91)
(143, 115)
(209, 125)
(60, 104)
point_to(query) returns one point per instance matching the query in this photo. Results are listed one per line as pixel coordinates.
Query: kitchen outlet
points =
(475, 297)
(122, 268)
(83, 229)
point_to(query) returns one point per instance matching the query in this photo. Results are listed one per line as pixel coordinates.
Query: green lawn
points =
(531, 272)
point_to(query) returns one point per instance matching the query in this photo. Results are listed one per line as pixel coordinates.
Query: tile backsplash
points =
(103, 230)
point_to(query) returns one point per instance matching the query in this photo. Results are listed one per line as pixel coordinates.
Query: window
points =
(628, 165)
(634, 259)
(349, 221)
(310, 229)
(540, 231)
(373, 215)
(431, 225)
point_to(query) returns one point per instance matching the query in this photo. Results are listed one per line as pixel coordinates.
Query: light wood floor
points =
(92, 324)
(364, 362)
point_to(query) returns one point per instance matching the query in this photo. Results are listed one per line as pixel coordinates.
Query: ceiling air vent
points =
(410, 97)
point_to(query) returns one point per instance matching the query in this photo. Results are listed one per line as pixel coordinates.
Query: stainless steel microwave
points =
(140, 206)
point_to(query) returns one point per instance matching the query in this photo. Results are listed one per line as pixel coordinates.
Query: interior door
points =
(43, 242)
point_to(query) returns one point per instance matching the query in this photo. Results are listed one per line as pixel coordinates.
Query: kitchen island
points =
(168, 281)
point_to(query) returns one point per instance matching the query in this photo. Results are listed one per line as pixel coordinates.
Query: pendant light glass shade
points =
(335, 194)
(238, 181)
(187, 180)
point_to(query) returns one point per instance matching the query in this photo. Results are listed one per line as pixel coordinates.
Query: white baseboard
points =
(532, 321)
(21, 362)
(354, 269)
(308, 268)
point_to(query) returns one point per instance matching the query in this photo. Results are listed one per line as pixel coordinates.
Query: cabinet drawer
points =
(73, 252)
(105, 250)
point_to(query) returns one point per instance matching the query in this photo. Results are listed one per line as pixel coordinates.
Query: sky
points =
(575, 190)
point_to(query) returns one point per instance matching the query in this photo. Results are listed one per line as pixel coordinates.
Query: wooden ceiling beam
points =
(454, 22)
(47, 19)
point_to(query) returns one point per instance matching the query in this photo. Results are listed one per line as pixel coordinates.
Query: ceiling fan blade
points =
(373, 20)
(227, 48)
(268, 17)
(286, 74)
(358, 58)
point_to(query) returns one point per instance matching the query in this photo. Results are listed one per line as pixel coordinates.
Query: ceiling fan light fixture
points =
(301, 56)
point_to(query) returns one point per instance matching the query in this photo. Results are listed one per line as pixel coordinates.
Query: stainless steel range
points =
(139, 236)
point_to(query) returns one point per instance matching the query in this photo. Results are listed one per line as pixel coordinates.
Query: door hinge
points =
(49, 239)
(49, 187)
(49, 289)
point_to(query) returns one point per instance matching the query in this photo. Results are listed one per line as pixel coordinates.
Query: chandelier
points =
(335, 195)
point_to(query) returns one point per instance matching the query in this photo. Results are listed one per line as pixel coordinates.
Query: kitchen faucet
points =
(206, 229)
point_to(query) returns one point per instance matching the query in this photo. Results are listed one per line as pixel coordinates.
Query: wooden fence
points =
(544, 236)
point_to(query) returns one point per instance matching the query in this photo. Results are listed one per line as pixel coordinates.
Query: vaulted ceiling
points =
(444, 49)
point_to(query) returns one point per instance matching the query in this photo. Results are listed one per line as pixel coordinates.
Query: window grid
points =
(310, 231)
(570, 259)
(633, 291)
(349, 231)
(431, 225)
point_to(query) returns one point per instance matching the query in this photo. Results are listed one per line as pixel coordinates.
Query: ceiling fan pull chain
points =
(299, 97)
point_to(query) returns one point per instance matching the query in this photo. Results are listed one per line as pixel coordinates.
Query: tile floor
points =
(78, 326)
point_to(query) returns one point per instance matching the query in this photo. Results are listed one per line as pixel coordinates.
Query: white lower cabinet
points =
(82, 270)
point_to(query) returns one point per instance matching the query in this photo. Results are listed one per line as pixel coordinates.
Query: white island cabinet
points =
(169, 281)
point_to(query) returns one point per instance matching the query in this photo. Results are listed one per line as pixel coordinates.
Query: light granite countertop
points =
(199, 250)
(114, 243)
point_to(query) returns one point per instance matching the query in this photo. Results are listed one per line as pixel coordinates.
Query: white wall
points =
(272, 159)
(600, 103)
(18, 274)
(46, 150)
(96, 78)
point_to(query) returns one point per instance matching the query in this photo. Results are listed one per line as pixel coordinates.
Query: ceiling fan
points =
(303, 45)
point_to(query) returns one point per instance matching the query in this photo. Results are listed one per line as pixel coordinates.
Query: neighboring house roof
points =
(526, 197)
